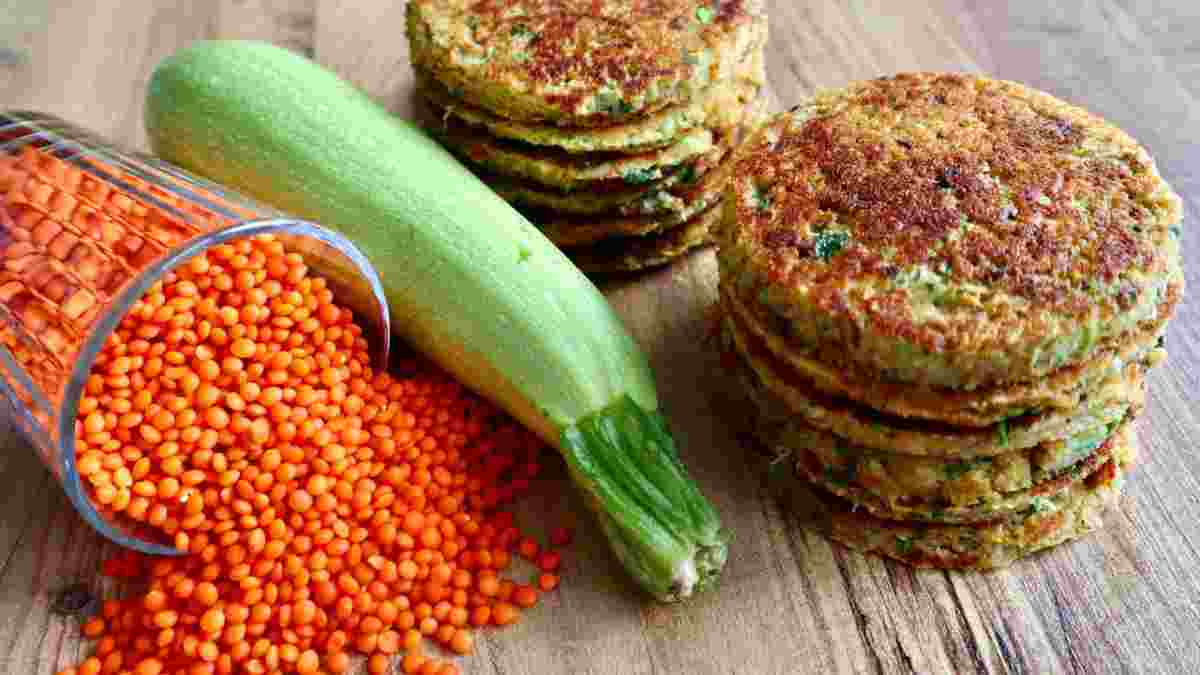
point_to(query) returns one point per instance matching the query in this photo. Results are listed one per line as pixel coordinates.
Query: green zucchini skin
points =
(471, 283)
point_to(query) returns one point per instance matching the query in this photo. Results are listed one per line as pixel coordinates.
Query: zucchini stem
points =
(662, 529)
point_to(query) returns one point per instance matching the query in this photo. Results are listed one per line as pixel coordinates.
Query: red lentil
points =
(561, 536)
(550, 561)
(525, 596)
(323, 506)
(529, 549)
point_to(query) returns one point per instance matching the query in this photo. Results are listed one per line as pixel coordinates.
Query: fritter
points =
(630, 254)
(686, 201)
(923, 489)
(616, 197)
(1069, 514)
(1106, 403)
(950, 230)
(980, 407)
(908, 486)
(566, 172)
(657, 130)
(580, 63)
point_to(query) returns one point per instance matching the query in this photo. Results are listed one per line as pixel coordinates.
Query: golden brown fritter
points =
(713, 108)
(579, 62)
(950, 230)
(630, 254)
(1104, 401)
(556, 169)
(685, 201)
(983, 407)
(1069, 514)
(950, 491)
(958, 488)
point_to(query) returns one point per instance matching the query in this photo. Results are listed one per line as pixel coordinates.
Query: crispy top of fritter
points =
(939, 199)
(584, 62)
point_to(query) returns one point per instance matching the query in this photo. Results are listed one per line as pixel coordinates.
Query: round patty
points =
(556, 169)
(911, 488)
(618, 198)
(1071, 513)
(1105, 402)
(619, 255)
(641, 134)
(979, 408)
(950, 230)
(580, 63)
(667, 209)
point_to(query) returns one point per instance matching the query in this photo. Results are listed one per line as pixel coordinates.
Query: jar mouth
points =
(136, 289)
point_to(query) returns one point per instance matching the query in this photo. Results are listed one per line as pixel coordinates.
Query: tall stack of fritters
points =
(609, 123)
(943, 292)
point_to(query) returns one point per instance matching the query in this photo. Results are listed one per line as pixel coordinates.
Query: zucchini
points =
(471, 283)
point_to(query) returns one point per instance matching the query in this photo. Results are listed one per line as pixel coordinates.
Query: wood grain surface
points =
(1124, 600)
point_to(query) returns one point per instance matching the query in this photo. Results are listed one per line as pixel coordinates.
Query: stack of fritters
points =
(609, 123)
(943, 292)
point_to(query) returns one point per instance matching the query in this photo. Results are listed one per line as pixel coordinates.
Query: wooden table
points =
(1124, 600)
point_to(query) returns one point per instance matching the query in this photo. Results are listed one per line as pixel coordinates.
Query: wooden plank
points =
(20, 28)
(1123, 600)
(287, 23)
(1101, 56)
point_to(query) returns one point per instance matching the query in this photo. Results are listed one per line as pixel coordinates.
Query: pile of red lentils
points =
(326, 509)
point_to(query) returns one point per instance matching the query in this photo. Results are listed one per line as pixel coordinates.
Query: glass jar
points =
(85, 229)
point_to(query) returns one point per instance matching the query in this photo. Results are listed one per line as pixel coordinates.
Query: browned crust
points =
(582, 47)
(1002, 542)
(1045, 530)
(473, 144)
(619, 255)
(977, 408)
(577, 231)
(700, 166)
(809, 467)
(857, 158)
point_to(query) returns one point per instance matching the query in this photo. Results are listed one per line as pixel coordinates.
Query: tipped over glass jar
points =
(86, 229)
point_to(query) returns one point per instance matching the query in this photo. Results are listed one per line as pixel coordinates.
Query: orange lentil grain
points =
(411, 663)
(213, 620)
(388, 642)
(489, 586)
(528, 549)
(378, 664)
(337, 662)
(149, 666)
(94, 628)
(322, 506)
(308, 663)
(525, 596)
(503, 614)
(550, 561)
(463, 642)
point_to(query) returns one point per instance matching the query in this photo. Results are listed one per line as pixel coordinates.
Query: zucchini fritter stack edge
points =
(943, 292)
(610, 124)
